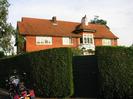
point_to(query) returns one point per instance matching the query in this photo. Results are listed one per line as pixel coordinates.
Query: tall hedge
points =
(116, 72)
(49, 72)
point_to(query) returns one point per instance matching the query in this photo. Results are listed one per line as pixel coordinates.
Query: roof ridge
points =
(31, 18)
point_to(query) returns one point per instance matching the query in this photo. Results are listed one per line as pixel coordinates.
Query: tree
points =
(1, 54)
(131, 46)
(6, 29)
(96, 20)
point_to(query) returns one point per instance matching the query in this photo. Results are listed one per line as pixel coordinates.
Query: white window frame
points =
(106, 42)
(67, 40)
(88, 39)
(43, 40)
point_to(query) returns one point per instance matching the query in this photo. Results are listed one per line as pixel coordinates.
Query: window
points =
(88, 39)
(106, 42)
(67, 41)
(43, 40)
(81, 40)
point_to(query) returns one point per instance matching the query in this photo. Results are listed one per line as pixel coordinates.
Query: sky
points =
(117, 13)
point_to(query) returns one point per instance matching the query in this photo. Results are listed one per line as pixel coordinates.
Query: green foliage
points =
(1, 54)
(96, 20)
(49, 72)
(99, 21)
(116, 71)
(77, 52)
(131, 46)
(20, 44)
(3, 10)
(6, 29)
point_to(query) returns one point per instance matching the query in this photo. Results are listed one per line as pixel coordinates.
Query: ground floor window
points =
(67, 40)
(43, 40)
(106, 42)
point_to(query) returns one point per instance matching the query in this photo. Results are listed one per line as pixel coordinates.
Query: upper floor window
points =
(88, 39)
(43, 40)
(106, 42)
(67, 41)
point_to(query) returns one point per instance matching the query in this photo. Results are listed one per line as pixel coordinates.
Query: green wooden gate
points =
(85, 71)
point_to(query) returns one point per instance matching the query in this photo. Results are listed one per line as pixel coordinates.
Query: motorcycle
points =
(17, 89)
(25, 95)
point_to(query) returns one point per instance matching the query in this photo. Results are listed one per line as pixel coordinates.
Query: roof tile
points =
(33, 26)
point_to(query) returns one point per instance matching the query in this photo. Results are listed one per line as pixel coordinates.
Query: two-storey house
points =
(39, 34)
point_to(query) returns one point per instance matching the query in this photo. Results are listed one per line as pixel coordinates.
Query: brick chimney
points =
(54, 21)
(84, 20)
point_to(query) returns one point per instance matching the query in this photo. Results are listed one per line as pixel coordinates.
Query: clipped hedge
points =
(116, 72)
(49, 72)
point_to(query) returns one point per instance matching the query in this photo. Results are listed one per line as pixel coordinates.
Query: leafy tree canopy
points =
(6, 29)
(131, 46)
(96, 20)
(1, 54)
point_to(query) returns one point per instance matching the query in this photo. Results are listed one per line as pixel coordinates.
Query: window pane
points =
(106, 42)
(67, 40)
(88, 38)
(81, 40)
(40, 40)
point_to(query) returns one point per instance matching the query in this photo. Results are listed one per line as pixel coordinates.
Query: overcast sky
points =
(117, 13)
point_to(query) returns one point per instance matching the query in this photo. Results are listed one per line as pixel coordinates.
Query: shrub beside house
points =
(1, 54)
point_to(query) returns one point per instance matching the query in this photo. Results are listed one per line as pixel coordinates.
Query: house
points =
(38, 34)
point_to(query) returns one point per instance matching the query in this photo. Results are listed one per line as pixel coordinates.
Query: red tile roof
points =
(33, 26)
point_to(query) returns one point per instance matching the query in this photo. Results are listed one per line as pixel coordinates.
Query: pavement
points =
(4, 94)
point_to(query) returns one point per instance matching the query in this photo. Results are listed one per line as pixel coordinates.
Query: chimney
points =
(84, 20)
(54, 21)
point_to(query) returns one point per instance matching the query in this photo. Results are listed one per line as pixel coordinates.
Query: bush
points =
(1, 54)
(116, 71)
(77, 52)
(49, 72)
